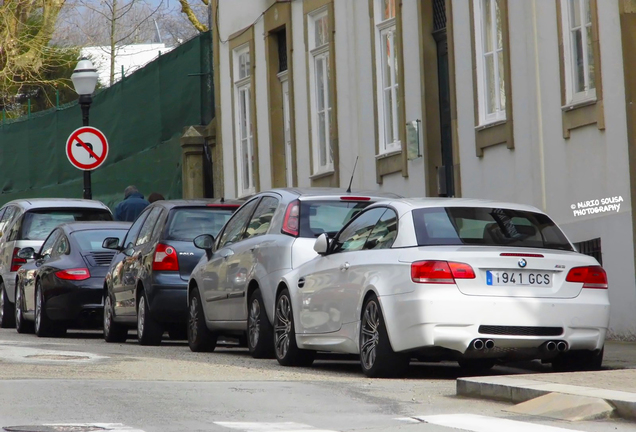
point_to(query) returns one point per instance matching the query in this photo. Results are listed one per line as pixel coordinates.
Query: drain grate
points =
(53, 428)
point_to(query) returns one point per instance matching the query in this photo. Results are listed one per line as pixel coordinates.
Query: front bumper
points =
(81, 303)
(442, 318)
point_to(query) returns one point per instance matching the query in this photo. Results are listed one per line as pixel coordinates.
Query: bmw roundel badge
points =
(522, 263)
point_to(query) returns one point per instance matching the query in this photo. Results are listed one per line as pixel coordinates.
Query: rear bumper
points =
(434, 317)
(167, 298)
(81, 303)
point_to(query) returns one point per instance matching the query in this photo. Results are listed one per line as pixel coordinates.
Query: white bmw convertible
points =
(475, 281)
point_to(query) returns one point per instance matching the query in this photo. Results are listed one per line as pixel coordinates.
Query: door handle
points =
(345, 266)
(255, 247)
(227, 254)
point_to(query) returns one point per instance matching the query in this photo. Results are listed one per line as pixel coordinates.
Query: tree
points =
(29, 66)
(194, 14)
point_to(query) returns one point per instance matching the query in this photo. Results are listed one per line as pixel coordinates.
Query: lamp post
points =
(84, 80)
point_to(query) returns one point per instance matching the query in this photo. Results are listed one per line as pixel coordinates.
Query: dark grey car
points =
(232, 290)
(146, 283)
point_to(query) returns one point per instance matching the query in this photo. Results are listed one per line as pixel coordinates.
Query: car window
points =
(61, 247)
(47, 247)
(133, 232)
(384, 232)
(187, 223)
(354, 236)
(487, 227)
(92, 240)
(149, 224)
(317, 217)
(6, 217)
(235, 228)
(37, 224)
(262, 218)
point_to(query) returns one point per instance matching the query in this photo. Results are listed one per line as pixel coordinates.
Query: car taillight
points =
(165, 259)
(16, 261)
(440, 272)
(77, 274)
(593, 277)
(354, 198)
(291, 223)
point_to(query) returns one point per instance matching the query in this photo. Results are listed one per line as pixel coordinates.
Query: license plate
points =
(516, 278)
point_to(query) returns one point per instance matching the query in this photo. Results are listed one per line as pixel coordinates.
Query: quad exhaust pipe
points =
(560, 346)
(480, 344)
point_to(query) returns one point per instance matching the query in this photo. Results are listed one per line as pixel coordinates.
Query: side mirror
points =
(205, 242)
(26, 253)
(322, 244)
(111, 243)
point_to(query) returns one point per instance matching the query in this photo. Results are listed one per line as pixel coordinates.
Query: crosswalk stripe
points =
(478, 423)
(271, 427)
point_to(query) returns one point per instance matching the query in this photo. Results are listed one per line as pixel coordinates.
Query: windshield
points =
(488, 227)
(317, 217)
(188, 223)
(37, 224)
(91, 240)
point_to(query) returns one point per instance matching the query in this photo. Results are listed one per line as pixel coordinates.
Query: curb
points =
(517, 390)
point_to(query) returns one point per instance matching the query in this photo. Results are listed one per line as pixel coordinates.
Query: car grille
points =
(520, 331)
(101, 258)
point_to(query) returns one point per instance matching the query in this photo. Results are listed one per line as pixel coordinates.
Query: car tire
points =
(473, 366)
(149, 331)
(44, 326)
(285, 346)
(200, 338)
(578, 361)
(113, 331)
(260, 334)
(377, 358)
(21, 325)
(7, 312)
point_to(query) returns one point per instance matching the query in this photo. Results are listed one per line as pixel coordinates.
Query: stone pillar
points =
(192, 142)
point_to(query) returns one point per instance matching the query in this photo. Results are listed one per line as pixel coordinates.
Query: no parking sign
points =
(87, 148)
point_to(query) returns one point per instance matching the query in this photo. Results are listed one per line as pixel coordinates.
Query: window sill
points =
(388, 154)
(578, 104)
(490, 125)
(322, 174)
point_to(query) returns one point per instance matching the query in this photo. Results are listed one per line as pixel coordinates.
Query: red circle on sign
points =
(99, 159)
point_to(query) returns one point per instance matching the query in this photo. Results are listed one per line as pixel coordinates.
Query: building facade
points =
(516, 100)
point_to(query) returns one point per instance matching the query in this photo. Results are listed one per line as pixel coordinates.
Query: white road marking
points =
(478, 423)
(270, 427)
(20, 354)
(112, 427)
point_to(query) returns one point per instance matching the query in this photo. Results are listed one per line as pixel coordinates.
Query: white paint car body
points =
(444, 320)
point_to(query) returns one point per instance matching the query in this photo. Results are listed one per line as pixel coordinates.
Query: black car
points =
(62, 287)
(146, 283)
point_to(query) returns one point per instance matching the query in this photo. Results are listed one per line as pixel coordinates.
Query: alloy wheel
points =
(370, 335)
(282, 326)
(107, 314)
(194, 317)
(2, 305)
(254, 323)
(18, 307)
(141, 317)
(38, 309)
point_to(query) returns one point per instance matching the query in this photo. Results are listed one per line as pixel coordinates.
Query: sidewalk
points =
(616, 384)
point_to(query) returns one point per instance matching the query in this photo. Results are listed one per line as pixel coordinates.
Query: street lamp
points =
(84, 80)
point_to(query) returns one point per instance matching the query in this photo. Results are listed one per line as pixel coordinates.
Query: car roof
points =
(94, 225)
(330, 192)
(169, 204)
(36, 203)
(414, 203)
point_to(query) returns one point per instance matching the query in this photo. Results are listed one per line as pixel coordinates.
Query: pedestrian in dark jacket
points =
(132, 205)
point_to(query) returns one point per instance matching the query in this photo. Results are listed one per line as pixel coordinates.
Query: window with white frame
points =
(489, 56)
(243, 122)
(578, 54)
(320, 102)
(386, 76)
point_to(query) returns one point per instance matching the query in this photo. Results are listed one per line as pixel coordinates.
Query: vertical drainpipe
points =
(539, 105)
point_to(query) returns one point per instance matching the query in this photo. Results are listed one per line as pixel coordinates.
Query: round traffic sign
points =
(87, 148)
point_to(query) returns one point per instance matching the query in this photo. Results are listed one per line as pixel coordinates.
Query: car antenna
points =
(222, 199)
(352, 173)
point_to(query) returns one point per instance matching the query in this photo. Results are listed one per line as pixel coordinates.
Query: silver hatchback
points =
(232, 289)
(27, 223)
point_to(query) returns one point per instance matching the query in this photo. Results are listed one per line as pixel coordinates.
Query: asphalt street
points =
(80, 380)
